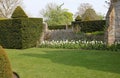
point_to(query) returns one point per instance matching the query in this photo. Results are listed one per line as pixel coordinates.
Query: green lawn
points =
(60, 63)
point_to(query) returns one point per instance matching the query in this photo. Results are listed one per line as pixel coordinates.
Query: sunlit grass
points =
(65, 63)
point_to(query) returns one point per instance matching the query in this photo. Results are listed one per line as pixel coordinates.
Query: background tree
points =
(67, 17)
(90, 14)
(101, 16)
(7, 7)
(82, 8)
(53, 14)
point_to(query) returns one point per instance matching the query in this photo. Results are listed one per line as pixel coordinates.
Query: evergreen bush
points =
(78, 18)
(55, 27)
(90, 26)
(20, 32)
(19, 13)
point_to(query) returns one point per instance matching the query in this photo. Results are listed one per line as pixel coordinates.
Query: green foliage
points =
(89, 15)
(73, 44)
(82, 8)
(78, 18)
(67, 18)
(5, 67)
(96, 33)
(55, 15)
(90, 26)
(20, 32)
(31, 31)
(114, 47)
(101, 17)
(19, 13)
(58, 27)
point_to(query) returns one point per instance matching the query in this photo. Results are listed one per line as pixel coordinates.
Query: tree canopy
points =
(87, 13)
(82, 8)
(7, 7)
(90, 14)
(54, 14)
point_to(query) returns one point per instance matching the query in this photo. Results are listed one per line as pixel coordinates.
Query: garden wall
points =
(59, 35)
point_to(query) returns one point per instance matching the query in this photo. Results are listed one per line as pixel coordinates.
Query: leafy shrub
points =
(5, 67)
(90, 36)
(98, 33)
(114, 47)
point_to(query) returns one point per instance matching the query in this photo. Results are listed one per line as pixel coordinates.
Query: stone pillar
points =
(45, 29)
(111, 27)
(117, 21)
(113, 31)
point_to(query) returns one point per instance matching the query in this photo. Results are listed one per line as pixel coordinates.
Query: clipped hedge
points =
(58, 27)
(5, 66)
(31, 31)
(19, 13)
(20, 33)
(90, 26)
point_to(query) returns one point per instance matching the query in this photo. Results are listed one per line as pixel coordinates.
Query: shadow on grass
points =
(95, 60)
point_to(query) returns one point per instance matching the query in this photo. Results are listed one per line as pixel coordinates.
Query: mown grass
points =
(64, 63)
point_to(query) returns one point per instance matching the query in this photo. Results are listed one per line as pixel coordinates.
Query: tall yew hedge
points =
(90, 26)
(20, 31)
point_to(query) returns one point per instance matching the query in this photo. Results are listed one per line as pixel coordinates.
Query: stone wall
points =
(111, 28)
(117, 21)
(67, 34)
(113, 22)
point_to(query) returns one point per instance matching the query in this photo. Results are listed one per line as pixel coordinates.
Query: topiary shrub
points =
(5, 67)
(78, 18)
(19, 13)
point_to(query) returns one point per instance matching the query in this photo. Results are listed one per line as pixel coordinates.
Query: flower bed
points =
(88, 45)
